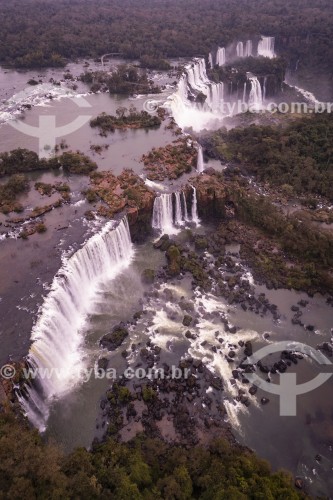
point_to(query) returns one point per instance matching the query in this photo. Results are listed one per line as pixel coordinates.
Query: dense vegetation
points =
(151, 62)
(170, 161)
(126, 118)
(24, 161)
(299, 157)
(126, 79)
(73, 163)
(20, 161)
(9, 191)
(143, 469)
(310, 249)
(39, 33)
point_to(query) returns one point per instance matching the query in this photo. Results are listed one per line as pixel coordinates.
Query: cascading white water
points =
(181, 107)
(200, 161)
(186, 217)
(210, 60)
(255, 98)
(240, 49)
(215, 97)
(309, 96)
(198, 80)
(166, 216)
(220, 56)
(266, 47)
(195, 217)
(209, 112)
(264, 90)
(57, 352)
(248, 48)
(154, 185)
(192, 114)
(163, 214)
(187, 112)
(179, 219)
(197, 76)
(244, 93)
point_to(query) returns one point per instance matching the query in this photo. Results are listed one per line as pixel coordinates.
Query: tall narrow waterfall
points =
(56, 355)
(215, 97)
(248, 49)
(266, 47)
(200, 161)
(163, 214)
(240, 49)
(179, 219)
(186, 217)
(210, 60)
(220, 56)
(244, 92)
(255, 98)
(195, 217)
(265, 90)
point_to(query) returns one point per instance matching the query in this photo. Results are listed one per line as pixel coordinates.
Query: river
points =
(27, 269)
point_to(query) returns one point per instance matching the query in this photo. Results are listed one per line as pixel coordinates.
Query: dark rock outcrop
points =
(114, 339)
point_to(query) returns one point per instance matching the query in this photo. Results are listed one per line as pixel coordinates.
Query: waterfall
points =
(200, 161)
(210, 60)
(248, 49)
(182, 109)
(154, 185)
(197, 77)
(163, 214)
(240, 49)
(255, 98)
(209, 112)
(186, 217)
(266, 47)
(309, 96)
(179, 220)
(57, 353)
(244, 93)
(264, 90)
(195, 217)
(220, 56)
(215, 96)
(167, 216)
(187, 113)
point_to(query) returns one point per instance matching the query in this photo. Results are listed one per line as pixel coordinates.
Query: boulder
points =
(114, 339)
(187, 320)
(248, 348)
(173, 258)
(148, 276)
(102, 364)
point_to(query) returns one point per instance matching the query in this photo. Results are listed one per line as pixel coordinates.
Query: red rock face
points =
(211, 194)
(126, 193)
(170, 162)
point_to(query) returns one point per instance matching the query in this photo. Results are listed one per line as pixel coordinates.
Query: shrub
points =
(41, 228)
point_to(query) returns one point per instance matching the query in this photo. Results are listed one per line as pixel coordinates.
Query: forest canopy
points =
(42, 33)
(142, 469)
(297, 157)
